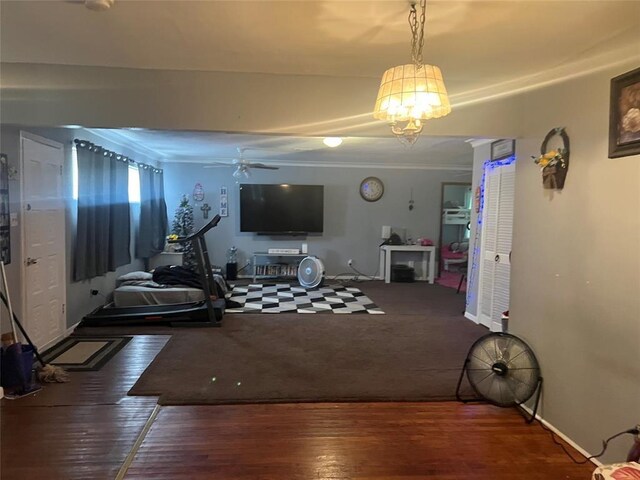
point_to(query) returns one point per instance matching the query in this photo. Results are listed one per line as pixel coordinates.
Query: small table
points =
(428, 260)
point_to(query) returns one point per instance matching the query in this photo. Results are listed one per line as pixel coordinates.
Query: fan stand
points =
(527, 418)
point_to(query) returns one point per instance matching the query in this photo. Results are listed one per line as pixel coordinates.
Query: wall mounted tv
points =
(281, 209)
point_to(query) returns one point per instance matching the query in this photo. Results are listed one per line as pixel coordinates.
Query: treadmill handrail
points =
(214, 221)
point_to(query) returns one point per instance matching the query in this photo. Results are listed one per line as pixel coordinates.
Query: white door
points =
(43, 240)
(497, 234)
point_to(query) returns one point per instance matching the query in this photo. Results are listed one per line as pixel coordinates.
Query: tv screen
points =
(281, 209)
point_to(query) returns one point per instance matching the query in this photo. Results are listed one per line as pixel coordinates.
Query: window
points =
(134, 178)
(74, 171)
(134, 184)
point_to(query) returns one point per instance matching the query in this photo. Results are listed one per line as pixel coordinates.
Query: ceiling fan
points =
(242, 165)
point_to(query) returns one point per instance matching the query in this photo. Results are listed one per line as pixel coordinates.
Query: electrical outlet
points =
(350, 262)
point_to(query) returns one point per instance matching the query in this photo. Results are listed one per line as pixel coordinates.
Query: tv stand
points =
(276, 265)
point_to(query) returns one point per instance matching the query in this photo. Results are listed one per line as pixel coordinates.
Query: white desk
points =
(428, 260)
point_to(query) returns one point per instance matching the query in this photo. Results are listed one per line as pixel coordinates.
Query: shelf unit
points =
(284, 266)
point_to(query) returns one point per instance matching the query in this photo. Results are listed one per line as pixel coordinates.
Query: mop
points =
(47, 373)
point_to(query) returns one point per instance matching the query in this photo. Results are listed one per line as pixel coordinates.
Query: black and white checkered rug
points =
(285, 298)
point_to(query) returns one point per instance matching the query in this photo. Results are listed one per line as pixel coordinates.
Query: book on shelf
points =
(277, 270)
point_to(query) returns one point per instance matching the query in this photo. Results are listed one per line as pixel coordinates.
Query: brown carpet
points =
(414, 352)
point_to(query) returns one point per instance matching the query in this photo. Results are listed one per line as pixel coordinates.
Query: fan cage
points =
(502, 369)
(310, 272)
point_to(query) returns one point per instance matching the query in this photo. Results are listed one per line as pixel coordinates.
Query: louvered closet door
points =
(497, 230)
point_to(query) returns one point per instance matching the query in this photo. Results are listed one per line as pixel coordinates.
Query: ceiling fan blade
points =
(263, 166)
(219, 164)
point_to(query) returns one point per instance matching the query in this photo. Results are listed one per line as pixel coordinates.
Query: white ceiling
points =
(448, 153)
(484, 48)
(477, 44)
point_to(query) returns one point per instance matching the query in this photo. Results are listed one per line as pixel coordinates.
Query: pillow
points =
(135, 276)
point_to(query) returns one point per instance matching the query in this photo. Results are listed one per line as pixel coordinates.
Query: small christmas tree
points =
(182, 226)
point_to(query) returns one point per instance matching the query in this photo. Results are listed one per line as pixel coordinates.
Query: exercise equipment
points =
(207, 312)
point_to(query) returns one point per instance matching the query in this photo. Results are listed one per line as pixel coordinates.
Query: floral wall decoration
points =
(554, 164)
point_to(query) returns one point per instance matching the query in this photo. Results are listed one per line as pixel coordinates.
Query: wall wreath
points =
(555, 163)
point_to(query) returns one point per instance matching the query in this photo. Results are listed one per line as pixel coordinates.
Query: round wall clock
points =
(371, 189)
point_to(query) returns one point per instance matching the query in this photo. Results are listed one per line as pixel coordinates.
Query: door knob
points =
(497, 259)
(31, 261)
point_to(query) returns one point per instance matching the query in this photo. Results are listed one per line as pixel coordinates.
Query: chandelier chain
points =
(417, 31)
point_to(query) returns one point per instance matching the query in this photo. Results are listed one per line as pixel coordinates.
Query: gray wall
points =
(575, 286)
(352, 226)
(79, 299)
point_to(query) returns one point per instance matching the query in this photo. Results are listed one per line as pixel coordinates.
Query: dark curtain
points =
(120, 231)
(103, 224)
(153, 213)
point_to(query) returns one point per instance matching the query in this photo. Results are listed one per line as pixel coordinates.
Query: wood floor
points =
(86, 429)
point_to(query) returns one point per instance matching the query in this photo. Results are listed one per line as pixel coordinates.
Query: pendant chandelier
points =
(412, 93)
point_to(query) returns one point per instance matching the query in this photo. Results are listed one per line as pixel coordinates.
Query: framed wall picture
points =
(624, 115)
(502, 149)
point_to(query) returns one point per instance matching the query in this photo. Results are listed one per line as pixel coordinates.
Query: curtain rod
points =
(118, 156)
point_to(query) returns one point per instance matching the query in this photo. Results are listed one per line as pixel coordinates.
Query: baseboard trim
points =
(471, 317)
(59, 338)
(328, 277)
(71, 329)
(573, 444)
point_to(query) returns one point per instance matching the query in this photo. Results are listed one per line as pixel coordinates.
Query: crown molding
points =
(478, 142)
(455, 168)
(119, 138)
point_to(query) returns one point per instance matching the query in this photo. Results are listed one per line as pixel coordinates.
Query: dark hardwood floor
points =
(372, 441)
(86, 429)
(83, 429)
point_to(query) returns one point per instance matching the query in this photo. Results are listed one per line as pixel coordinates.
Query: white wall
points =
(575, 293)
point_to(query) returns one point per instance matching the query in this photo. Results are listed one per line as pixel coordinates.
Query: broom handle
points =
(5, 286)
(24, 333)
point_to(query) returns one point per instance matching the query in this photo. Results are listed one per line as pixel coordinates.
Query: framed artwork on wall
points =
(502, 149)
(624, 115)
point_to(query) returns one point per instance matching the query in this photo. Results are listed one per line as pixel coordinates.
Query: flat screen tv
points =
(281, 209)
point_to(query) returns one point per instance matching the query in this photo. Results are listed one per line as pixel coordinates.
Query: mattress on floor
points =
(134, 295)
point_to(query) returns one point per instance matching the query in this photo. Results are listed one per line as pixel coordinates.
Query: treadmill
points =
(205, 313)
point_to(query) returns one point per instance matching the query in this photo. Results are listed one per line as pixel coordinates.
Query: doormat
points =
(286, 298)
(83, 354)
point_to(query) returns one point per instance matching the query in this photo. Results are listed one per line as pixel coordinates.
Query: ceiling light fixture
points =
(332, 142)
(99, 5)
(412, 93)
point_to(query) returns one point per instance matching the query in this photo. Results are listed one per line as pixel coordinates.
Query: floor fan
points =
(311, 272)
(502, 370)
